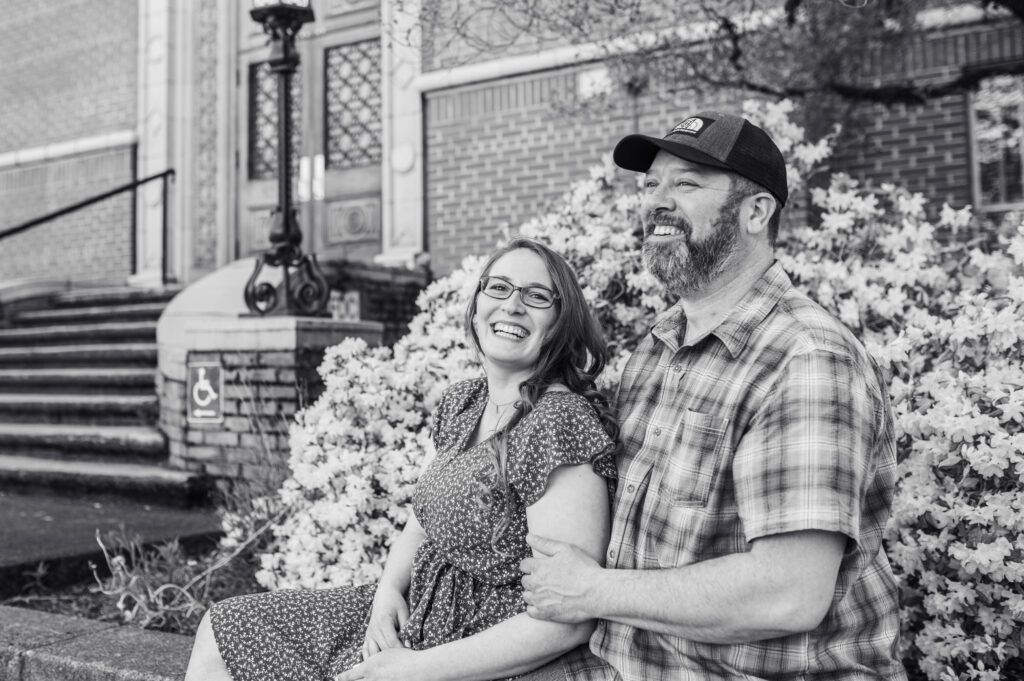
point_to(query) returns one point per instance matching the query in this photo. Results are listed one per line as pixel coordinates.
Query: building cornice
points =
(58, 150)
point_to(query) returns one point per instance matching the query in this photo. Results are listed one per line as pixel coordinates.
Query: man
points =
(759, 457)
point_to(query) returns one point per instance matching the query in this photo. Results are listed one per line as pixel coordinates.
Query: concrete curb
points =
(38, 646)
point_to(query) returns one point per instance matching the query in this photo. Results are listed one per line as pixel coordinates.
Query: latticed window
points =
(263, 121)
(353, 125)
(999, 142)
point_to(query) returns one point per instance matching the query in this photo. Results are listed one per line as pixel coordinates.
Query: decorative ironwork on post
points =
(305, 288)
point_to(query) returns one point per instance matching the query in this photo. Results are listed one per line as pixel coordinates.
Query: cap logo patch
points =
(693, 126)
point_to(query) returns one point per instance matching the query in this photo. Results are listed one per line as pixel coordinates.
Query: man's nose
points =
(658, 198)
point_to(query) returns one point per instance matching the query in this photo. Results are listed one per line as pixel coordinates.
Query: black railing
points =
(165, 176)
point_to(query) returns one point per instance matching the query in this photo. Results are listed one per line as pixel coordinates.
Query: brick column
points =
(269, 373)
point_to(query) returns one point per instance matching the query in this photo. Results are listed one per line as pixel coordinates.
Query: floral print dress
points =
(464, 579)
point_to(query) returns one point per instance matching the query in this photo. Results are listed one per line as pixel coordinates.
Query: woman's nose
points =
(514, 303)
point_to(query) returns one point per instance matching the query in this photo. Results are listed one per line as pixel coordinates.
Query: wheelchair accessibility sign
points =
(205, 392)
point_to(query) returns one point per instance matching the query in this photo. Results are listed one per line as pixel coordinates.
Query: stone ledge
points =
(38, 646)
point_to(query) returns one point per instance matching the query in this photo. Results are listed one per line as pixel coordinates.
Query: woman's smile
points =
(509, 331)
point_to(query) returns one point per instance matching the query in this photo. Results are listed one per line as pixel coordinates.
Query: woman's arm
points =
(390, 610)
(398, 568)
(575, 508)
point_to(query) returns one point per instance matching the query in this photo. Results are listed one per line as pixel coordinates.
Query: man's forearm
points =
(732, 599)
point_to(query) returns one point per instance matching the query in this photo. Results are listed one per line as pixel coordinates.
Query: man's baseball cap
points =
(713, 139)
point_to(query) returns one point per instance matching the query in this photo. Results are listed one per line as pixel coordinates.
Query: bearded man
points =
(759, 452)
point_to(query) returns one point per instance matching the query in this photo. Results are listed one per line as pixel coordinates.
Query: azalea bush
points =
(947, 324)
(941, 314)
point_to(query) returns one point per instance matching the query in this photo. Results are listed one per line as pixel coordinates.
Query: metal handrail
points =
(61, 212)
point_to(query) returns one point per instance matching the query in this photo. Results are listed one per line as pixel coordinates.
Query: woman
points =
(527, 448)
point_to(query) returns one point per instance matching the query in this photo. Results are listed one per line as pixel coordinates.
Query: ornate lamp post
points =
(305, 287)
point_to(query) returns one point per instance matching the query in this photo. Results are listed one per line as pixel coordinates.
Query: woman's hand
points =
(393, 664)
(388, 614)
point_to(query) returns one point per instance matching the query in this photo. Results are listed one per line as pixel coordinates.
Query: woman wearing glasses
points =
(526, 448)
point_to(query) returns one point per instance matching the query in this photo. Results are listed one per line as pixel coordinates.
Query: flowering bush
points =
(357, 451)
(945, 321)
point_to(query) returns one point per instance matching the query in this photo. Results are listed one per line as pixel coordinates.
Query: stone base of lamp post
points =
(228, 399)
(229, 383)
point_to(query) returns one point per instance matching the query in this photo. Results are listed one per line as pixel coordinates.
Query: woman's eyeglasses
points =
(501, 288)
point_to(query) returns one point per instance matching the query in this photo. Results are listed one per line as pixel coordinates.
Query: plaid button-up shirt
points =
(776, 421)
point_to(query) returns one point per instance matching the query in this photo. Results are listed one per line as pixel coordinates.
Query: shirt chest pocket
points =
(690, 458)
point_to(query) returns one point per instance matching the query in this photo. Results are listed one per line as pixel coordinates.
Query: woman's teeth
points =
(511, 330)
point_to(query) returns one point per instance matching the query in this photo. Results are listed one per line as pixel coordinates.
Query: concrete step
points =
(150, 483)
(101, 313)
(38, 646)
(121, 295)
(64, 440)
(79, 333)
(72, 408)
(131, 354)
(88, 379)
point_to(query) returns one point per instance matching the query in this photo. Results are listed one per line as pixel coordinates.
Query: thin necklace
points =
(499, 412)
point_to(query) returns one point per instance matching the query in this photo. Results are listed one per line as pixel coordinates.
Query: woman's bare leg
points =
(206, 664)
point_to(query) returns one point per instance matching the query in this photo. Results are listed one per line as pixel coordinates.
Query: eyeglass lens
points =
(533, 296)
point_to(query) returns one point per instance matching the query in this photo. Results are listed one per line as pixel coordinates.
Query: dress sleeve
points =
(563, 430)
(449, 419)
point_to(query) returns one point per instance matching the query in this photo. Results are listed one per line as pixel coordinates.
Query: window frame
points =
(975, 168)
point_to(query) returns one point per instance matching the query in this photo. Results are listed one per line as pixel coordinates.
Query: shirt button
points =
(657, 431)
(630, 488)
(611, 553)
(677, 368)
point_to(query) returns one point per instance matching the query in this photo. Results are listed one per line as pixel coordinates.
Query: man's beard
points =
(684, 266)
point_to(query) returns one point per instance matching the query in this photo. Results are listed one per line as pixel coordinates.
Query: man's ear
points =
(756, 211)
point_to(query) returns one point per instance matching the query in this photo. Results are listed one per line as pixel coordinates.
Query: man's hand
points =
(388, 614)
(393, 664)
(557, 581)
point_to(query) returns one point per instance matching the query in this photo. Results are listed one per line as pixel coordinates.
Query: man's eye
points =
(650, 184)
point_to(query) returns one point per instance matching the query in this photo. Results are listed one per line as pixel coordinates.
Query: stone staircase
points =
(78, 405)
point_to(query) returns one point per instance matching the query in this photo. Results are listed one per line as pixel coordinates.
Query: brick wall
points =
(268, 367)
(262, 393)
(69, 70)
(925, 147)
(386, 294)
(92, 244)
(498, 153)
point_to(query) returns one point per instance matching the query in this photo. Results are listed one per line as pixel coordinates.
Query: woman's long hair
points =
(573, 354)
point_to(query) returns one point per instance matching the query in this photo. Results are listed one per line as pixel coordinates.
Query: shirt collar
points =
(734, 331)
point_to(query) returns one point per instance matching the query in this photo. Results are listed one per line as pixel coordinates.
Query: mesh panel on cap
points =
(747, 157)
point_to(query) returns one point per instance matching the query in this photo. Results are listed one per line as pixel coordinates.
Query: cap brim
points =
(637, 152)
